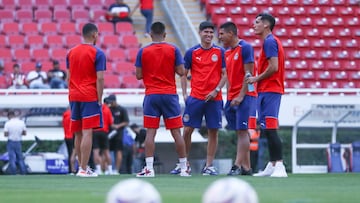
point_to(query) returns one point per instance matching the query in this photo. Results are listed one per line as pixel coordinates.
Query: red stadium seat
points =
(97, 14)
(355, 75)
(299, 11)
(7, 16)
(115, 54)
(29, 28)
(15, 41)
(330, 11)
(322, 75)
(8, 5)
(72, 40)
(34, 41)
(109, 41)
(326, 54)
(314, 11)
(21, 55)
(43, 15)
(130, 81)
(94, 4)
(342, 54)
(291, 75)
(76, 4)
(80, 15)
(61, 15)
(125, 68)
(106, 28)
(316, 64)
(329, 84)
(131, 54)
(124, 28)
(308, 75)
(305, 21)
(57, 53)
(10, 28)
(310, 54)
(27, 66)
(41, 4)
(293, 54)
(350, 65)
(24, 15)
(67, 28)
(287, 43)
(335, 43)
(6, 54)
(111, 81)
(129, 41)
(49, 28)
(236, 12)
(2, 41)
(302, 43)
(24, 4)
(301, 65)
(312, 84)
(54, 41)
(355, 54)
(340, 75)
(58, 4)
(40, 54)
(4, 83)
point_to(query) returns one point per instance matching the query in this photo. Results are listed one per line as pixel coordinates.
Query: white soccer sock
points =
(149, 162)
(110, 168)
(182, 162)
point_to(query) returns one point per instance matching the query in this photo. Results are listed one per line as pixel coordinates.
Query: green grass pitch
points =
(298, 188)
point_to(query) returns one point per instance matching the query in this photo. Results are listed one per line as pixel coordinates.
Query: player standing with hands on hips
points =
(270, 87)
(86, 64)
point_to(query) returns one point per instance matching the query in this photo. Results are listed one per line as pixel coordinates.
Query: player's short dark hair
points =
(10, 113)
(206, 24)
(229, 27)
(269, 18)
(158, 28)
(88, 29)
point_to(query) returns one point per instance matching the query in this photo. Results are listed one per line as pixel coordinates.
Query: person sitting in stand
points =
(57, 77)
(17, 78)
(118, 12)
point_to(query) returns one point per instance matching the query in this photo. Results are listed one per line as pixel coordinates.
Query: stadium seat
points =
(351, 43)
(80, 15)
(4, 83)
(124, 68)
(296, 32)
(34, 41)
(97, 14)
(293, 54)
(24, 15)
(352, 22)
(288, 65)
(316, 64)
(27, 66)
(131, 54)
(40, 54)
(58, 4)
(283, 11)
(344, 32)
(8, 5)
(302, 43)
(61, 15)
(54, 41)
(307, 75)
(329, 84)
(330, 11)
(94, 4)
(41, 4)
(76, 4)
(310, 54)
(111, 81)
(29, 28)
(347, 84)
(332, 65)
(130, 81)
(124, 28)
(115, 54)
(301, 65)
(299, 11)
(305, 21)
(2, 41)
(326, 54)
(350, 65)
(235, 12)
(355, 75)
(49, 28)
(43, 15)
(109, 41)
(335, 43)
(210, 4)
(318, 43)
(355, 55)
(312, 84)
(340, 75)
(24, 4)
(5, 54)
(67, 28)
(291, 75)
(72, 40)
(106, 28)
(129, 41)
(15, 41)
(281, 32)
(21, 55)
(57, 53)
(9, 28)
(7, 16)
(322, 75)
(342, 54)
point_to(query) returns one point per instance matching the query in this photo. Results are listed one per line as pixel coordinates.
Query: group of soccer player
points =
(211, 67)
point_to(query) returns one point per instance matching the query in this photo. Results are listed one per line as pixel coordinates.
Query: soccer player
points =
(206, 64)
(270, 87)
(157, 64)
(86, 64)
(240, 108)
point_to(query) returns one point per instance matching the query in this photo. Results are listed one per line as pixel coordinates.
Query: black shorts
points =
(116, 143)
(100, 140)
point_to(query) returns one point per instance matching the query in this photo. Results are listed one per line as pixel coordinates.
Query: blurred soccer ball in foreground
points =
(230, 190)
(133, 191)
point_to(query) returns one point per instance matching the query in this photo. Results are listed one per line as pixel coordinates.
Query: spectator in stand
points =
(17, 78)
(14, 129)
(57, 77)
(69, 140)
(2, 72)
(118, 12)
(36, 79)
(121, 120)
(147, 10)
(101, 151)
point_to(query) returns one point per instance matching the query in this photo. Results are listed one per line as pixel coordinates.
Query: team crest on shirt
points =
(236, 56)
(186, 118)
(214, 58)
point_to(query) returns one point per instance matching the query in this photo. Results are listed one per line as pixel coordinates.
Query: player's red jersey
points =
(107, 118)
(159, 79)
(206, 67)
(83, 61)
(235, 60)
(146, 4)
(66, 124)
(272, 47)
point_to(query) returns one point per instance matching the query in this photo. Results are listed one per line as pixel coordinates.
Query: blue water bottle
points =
(251, 87)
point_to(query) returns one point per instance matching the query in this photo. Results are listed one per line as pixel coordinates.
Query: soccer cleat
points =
(86, 173)
(146, 173)
(269, 169)
(185, 173)
(246, 172)
(176, 170)
(210, 171)
(235, 170)
(279, 170)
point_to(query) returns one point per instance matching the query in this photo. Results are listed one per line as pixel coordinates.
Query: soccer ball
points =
(133, 191)
(230, 190)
